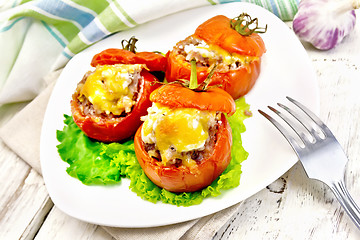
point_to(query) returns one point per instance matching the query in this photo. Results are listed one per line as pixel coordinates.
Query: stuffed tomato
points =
(185, 141)
(229, 46)
(109, 101)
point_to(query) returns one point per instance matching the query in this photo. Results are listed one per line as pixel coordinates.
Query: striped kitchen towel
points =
(40, 36)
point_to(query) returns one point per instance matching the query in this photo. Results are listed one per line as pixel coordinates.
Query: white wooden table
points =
(293, 207)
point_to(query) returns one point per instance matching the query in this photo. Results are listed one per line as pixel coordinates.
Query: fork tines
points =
(315, 128)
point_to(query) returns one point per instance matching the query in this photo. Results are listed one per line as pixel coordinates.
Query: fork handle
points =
(351, 208)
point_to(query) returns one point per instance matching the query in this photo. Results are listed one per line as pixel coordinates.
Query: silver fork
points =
(321, 156)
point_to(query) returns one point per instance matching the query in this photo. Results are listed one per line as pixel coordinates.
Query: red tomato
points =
(108, 129)
(175, 95)
(153, 61)
(217, 31)
(181, 178)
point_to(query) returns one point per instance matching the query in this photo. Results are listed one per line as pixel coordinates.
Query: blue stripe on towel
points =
(58, 38)
(63, 10)
(6, 28)
(274, 8)
(66, 55)
(93, 33)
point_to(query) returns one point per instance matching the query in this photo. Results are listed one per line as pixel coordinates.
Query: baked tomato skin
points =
(177, 96)
(217, 32)
(111, 56)
(240, 81)
(236, 82)
(178, 68)
(181, 179)
(108, 129)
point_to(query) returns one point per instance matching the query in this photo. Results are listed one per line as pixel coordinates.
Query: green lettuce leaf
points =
(97, 163)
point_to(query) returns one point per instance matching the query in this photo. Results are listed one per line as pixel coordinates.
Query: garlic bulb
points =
(324, 23)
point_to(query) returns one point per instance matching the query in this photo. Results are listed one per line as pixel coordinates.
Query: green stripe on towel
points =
(66, 28)
(108, 18)
(96, 6)
(125, 13)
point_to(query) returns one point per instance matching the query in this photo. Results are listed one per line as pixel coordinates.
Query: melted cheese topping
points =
(177, 130)
(111, 88)
(212, 52)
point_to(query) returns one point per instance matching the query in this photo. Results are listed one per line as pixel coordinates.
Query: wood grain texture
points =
(59, 226)
(25, 209)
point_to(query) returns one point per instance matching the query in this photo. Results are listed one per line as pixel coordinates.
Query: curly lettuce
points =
(97, 163)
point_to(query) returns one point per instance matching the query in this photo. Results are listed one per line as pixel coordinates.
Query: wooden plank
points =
(59, 226)
(256, 215)
(26, 208)
(13, 173)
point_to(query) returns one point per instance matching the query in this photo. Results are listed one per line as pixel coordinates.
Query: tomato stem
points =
(130, 44)
(245, 25)
(193, 77)
(208, 78)
(193, 83)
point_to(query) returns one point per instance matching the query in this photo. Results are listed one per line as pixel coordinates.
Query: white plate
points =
(286, 71)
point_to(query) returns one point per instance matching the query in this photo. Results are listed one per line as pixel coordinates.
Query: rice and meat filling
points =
(195, 155)
(179, 136)
(109, 91)
(209, 55)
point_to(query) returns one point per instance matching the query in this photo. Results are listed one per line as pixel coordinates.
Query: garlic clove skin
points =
(325, 23)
